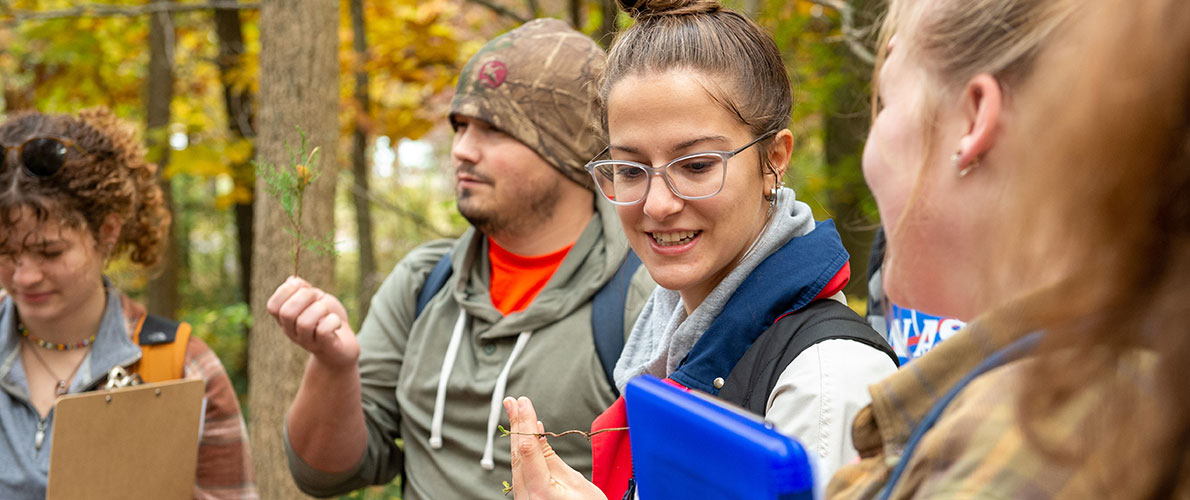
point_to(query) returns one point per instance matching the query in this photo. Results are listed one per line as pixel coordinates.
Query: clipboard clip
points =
(119, 377)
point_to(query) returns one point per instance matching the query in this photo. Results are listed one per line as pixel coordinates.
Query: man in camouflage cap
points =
(506, 309)
(537, 84)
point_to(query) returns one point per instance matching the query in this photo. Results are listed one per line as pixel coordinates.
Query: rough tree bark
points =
(159, 91)
(360, 194)
(299, 67)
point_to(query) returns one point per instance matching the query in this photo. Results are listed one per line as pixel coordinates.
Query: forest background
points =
(214, 85)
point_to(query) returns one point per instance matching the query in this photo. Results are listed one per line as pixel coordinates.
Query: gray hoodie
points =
(452, 449)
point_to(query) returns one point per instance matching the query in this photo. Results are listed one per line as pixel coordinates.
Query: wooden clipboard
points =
(131, 442)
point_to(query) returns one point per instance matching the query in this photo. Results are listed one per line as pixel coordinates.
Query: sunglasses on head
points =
(43, 156)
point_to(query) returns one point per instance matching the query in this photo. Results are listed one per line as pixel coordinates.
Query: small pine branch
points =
(287, 184)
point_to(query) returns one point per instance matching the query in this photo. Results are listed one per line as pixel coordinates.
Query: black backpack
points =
(755, 374)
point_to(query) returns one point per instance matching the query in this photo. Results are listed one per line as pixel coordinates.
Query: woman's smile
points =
(673, 242)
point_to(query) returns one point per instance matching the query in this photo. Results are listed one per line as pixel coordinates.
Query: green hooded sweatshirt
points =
(545, 352)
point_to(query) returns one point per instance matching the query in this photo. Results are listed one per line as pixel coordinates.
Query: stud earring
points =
(963, 170)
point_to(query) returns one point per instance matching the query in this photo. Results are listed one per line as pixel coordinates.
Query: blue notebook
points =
(690, 445)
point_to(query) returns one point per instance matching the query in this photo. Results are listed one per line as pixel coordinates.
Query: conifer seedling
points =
(287, 184)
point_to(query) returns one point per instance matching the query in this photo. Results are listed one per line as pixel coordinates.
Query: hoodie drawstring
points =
(448, 364)
(498, 399)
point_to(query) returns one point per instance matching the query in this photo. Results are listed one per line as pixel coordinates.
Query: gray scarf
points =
(663, 334)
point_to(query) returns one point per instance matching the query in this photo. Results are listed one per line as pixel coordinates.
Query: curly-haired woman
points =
(74, 193)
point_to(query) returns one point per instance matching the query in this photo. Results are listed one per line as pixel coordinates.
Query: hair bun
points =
(644, 9)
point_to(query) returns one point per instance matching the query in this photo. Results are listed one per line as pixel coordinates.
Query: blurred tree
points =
(574, 10)
(299, 53)
(607, 23)
(159, 93)
(846, 131)
(826, 44)
(238, 104)
(63, 59)
(241, 125)
(368, 277)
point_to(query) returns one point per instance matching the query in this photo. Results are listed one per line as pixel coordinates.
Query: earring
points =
(771, 197)
(963, 170)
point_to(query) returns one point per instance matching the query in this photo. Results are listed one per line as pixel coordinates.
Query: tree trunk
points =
(359, 164)
(159, 91)
(242, 125)
(300, 62)
(607, 27)
(574, 8)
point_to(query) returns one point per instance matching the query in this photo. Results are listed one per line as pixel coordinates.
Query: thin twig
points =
(106, 10)
(852, 35)
(419, 220)
(505, 432)
(500, 9)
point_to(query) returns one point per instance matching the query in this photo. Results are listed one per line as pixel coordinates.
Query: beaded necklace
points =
(61, 385)
(45, 344)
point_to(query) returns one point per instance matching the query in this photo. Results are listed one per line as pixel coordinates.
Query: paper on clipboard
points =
(132, 442)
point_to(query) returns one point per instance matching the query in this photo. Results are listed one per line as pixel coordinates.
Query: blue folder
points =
(689, 445)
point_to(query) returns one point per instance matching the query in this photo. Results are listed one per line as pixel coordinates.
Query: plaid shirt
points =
(224, 456)
(977, 448)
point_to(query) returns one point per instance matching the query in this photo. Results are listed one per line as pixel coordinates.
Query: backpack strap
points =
(434, 282)
(607, 316)
(755, 375)
(1016, 350)
(607, 308)
(163, 348)
(833, 320)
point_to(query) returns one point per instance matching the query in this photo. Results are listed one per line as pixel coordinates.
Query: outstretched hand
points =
(316, 321)
(537, 472)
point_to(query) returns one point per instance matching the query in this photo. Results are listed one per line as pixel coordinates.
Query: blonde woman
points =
(1031, 159)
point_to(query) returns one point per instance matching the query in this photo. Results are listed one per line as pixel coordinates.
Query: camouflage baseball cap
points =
(537, 83)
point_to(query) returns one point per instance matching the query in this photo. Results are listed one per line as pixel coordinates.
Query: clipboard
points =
(131, 442)
(691, 445)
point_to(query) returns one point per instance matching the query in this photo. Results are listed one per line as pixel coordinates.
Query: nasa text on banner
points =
(913, 333)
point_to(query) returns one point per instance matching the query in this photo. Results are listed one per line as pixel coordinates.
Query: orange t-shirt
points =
(516, 279)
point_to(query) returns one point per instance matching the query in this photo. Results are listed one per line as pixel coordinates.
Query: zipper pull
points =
(39, 436)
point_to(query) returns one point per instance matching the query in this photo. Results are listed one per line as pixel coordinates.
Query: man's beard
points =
(526, 213)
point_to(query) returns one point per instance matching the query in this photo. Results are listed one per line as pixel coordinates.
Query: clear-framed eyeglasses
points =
(691, 177)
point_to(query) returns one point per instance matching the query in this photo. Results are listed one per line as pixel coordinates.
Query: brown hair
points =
(109, 177)
(701, 35)
(1113, 130)
(958, 39)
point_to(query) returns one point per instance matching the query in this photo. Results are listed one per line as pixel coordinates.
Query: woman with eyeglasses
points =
(697, 101)
(76, 192)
